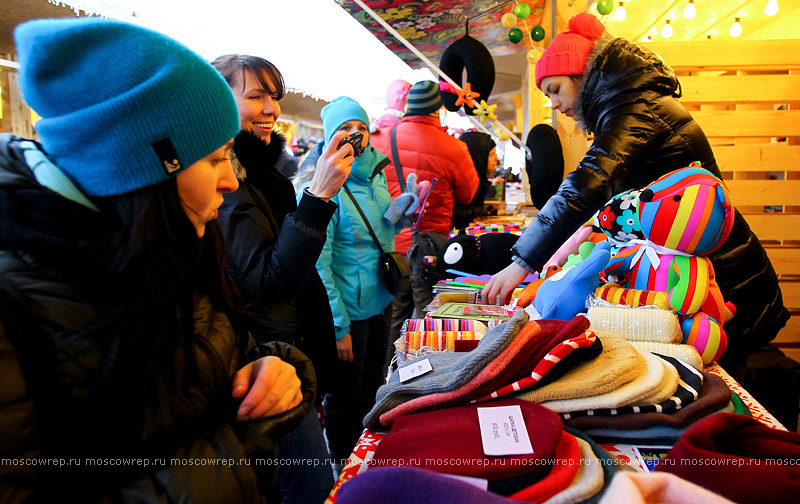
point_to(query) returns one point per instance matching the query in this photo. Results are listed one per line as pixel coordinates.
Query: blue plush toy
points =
(563, 295)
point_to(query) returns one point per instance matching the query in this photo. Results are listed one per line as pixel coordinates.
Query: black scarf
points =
(259, 161)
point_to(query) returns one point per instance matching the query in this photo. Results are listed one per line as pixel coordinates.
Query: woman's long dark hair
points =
(155, 266)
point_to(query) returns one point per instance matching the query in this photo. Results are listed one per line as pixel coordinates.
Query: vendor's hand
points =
(502, 285)
(269, 386)
(498, 180)
(345, 348)
(333, 168)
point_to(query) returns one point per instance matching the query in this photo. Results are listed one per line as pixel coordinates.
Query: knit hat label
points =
(167, 155)
(503, 431)
(414, 370)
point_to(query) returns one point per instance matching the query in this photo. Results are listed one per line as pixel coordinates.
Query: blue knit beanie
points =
(338, 112)
(122, 107)
(424, 98)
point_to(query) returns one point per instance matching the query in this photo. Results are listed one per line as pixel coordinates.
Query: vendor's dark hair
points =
(479, 145)
(233, 68)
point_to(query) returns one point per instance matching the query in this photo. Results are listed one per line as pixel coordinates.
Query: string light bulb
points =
(666, 30)
(689, 12)
(620, 14)
(771, 8)
(736, 28)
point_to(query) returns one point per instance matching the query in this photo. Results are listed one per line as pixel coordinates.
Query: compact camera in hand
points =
(354, 139)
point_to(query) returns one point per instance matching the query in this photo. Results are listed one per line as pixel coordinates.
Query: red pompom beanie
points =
(567, 53)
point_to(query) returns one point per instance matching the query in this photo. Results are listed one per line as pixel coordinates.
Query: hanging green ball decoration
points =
(537, 34)
(515, 35)
(508, 20)
(605, 7)
(522, 10)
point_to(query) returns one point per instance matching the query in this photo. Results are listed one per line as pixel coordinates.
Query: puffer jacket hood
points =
(617, 67)
(48, 229)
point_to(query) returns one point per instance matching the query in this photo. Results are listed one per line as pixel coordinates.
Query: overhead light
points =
(736, 28)
(666, 30)
(690, 11)
(771, 8)
(620, 13)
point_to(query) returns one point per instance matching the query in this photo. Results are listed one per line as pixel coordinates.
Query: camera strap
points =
(361, 212)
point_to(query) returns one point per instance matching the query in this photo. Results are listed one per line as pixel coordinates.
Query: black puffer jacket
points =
(642, 132)
(51, 370)
(273, 246)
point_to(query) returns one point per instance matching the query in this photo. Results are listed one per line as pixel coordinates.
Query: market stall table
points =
(364, 450)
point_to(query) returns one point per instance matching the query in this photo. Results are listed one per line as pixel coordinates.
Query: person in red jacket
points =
(425, 148)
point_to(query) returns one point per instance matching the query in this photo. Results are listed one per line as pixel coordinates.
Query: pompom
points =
(586, 25)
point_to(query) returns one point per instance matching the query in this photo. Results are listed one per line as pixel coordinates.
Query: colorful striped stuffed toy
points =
(683, 214)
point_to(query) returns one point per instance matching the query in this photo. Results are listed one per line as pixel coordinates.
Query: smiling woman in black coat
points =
(273, 245)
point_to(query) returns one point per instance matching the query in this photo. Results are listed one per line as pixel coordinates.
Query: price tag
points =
(503, 431)
(415, 369)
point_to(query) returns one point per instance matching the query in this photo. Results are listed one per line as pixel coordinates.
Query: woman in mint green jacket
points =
(358, 296)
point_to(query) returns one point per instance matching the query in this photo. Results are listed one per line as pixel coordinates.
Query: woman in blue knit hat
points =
(358, 295)
(126, 373)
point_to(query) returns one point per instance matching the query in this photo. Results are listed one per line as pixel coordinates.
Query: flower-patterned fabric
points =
(618, 220)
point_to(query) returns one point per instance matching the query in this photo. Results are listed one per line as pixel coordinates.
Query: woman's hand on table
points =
(501, 286)
(269, 386)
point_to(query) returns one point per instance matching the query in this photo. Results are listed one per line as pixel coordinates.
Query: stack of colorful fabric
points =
(625, 394)
(424, 336)
(666, 421)
(643, 386)
(509, 352)
(564, 467)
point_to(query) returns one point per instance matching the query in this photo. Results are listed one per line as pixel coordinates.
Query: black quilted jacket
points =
(628, 100)
(273, 246)
(45, 395)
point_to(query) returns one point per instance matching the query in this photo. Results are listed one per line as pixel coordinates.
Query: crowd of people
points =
(167, 293)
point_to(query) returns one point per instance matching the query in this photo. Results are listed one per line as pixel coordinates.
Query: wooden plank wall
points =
(746, 97)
